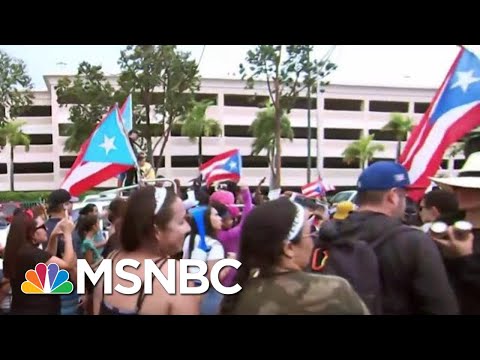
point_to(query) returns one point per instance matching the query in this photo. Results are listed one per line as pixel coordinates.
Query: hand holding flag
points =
(226, 166)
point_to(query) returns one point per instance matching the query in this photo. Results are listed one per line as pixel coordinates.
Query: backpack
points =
(354, 260)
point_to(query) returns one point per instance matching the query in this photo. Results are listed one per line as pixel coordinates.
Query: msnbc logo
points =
(47, 280)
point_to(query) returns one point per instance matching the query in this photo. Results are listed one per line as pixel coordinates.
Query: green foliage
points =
(91, 96)
(28, 196)
(15, 87)
(292, 75)
(146, 68)
(400, 125)
(13, 134)
(195, 123)
(263, 130)
(456, 149)
(287, 74)
(33, 196)
(362, 150)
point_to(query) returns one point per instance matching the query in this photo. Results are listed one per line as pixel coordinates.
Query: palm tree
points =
(13, 134)
(456, 149)
(263, 130)
(400, 125)
(363, 150)
(195, 125)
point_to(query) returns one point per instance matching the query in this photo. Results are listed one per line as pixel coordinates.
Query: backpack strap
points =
(319, 259)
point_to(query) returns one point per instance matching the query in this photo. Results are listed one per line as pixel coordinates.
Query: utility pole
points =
(309, 125)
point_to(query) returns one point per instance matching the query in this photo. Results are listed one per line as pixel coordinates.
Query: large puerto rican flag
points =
(454, 111)
(105, 154)
(226, 166)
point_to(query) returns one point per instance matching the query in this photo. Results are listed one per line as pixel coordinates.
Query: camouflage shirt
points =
(299, 293)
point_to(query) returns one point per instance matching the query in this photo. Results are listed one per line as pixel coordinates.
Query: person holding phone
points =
(59, 207)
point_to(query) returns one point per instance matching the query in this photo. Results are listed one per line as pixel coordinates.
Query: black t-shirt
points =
(50, 225)
(28, 257)
(464, 274)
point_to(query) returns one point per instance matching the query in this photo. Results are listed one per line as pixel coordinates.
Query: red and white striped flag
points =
(454, 111)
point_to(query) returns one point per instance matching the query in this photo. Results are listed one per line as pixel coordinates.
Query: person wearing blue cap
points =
(411, 275)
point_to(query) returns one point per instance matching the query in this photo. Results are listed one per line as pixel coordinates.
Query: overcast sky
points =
(388, 65)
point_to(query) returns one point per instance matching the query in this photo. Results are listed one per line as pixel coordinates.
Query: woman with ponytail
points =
(275, 248)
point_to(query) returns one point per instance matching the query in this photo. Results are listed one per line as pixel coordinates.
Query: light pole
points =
(309, 125)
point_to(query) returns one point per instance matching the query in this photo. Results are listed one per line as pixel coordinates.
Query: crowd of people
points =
(381, 255)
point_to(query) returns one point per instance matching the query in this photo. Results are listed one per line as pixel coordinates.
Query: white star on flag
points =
(464, 79)
(232, 165)
(108, 144)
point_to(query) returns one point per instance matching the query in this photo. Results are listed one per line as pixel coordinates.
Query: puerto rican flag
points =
(454, 111)
(85, 175)
(226, 166)
(316, 188)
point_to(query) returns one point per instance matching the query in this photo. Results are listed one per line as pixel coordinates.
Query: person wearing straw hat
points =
(462, 256)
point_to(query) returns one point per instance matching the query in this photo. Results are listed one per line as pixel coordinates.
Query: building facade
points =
(338, 117)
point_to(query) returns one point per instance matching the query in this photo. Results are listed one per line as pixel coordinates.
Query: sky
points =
(421, 66)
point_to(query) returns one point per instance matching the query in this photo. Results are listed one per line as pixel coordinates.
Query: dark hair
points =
(202, 197)
(39, 210)
(222, 209)
(17, 211)
(411, 216)
(261, 246)
(116, 209)
(86, 224)
(230, 186)
(209, 230)
(138, 225)
(370, 197)
(87, 209)
(21, 233)
(446, 202)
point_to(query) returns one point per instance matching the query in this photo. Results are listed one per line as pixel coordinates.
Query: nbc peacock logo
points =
(47, 280)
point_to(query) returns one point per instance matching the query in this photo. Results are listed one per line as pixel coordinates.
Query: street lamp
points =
(309, 125)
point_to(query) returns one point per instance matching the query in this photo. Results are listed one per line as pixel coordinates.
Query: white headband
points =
(160, 196)
(297, 224)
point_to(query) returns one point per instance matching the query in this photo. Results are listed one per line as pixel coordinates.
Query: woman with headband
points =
(276, 244)
(154, 227)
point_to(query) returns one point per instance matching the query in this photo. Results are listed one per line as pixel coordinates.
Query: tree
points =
(400, 125)
(15, 88)
(196, 125)
(287, 75)
(12, 133)
(90, 95)
(148, 67)
(362, 150)
(456, 149)
(263, 130)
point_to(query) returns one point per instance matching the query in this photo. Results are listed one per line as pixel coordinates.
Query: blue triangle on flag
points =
(234, 163)
(127, 114)
(109, 143)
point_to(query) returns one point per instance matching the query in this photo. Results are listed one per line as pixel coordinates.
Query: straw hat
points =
(468, 176)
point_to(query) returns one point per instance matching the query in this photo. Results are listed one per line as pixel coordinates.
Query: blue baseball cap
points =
(383, 175)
